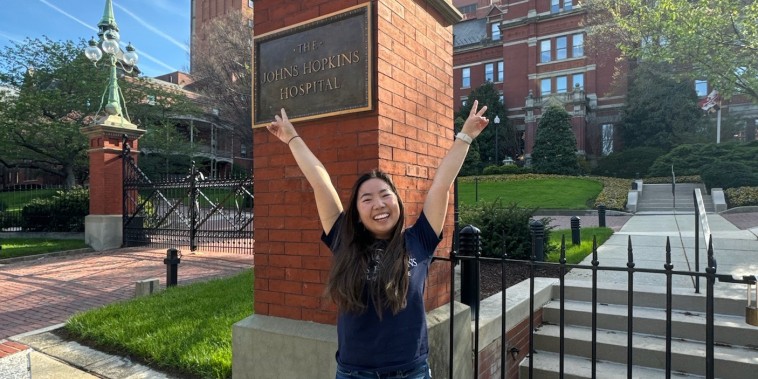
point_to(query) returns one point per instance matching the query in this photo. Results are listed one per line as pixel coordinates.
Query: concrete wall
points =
(274, 347)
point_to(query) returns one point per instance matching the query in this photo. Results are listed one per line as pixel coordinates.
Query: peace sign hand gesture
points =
(475, 122)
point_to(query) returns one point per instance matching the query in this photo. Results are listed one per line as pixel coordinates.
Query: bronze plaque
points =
(315, 69)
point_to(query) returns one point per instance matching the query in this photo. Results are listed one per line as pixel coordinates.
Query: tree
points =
(58, 92)
(555, 144)
(715, 40)
(508, 141)
(223, 71)
(660, 111)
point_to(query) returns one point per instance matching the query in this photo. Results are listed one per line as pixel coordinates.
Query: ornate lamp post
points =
(104, 226)
(109, 45)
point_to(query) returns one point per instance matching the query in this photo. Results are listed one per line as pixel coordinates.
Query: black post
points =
(538, 240)
(601, 215)
(172, 266)
(476, 189)
(576, 238)
(470, 248)
(193, 207)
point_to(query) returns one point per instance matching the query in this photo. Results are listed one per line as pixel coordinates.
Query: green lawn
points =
(15, 200)
(547, 193)
(20, 247)
(576, 253)
(186, 328)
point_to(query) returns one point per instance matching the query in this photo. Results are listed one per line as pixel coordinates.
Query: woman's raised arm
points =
(327, 200)
(435, 205)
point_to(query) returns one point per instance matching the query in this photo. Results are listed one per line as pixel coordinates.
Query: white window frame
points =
(495, 31)
(577, 50)
(561, 52)
(546, 82)
(545, 51)
(466, 77)
(574, 80)
(500, 71)
(489, 72)
(555, 6)
(558, 85)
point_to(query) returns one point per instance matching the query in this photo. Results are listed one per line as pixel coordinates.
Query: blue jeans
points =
(421, 371)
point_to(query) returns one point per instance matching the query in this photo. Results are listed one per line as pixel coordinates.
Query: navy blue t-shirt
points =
(397, 342)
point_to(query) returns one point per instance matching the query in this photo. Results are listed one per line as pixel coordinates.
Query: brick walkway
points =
(44, 292)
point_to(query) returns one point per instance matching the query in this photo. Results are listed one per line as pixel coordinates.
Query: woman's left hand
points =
(475, 122)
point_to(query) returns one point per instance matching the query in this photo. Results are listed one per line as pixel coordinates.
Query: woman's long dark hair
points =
(352, 257)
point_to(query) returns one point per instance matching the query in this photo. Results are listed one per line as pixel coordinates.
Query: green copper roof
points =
(108, 18)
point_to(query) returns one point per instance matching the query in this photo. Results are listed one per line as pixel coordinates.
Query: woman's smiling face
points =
(378, 208)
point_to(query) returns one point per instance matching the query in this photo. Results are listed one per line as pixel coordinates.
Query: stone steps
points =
(735, 348)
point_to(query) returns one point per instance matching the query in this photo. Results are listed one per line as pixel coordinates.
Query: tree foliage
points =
(660, 111)
(508, 142)
(715, 40)
(555, 144)
(58, 91)
(223, 71)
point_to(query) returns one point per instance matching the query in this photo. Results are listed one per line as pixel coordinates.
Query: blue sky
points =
(158, 29)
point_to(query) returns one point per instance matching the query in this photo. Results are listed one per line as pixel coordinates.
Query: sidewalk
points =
(735, 249)
(43, 293)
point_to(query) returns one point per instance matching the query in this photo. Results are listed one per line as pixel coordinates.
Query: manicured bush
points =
(506, 170)
(728, 175)
(504, 229)
(690, 159)
(555, 144)
(741, 197)
(63, 212)
(629, 163)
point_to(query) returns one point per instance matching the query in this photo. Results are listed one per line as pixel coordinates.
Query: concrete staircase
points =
(658, 198)
(736, 343)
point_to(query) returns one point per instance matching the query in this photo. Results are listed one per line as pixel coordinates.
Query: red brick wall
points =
(518, 337)
(106, 175)
(406, 135)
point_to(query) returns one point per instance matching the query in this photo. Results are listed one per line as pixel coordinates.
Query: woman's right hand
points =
(282, 128)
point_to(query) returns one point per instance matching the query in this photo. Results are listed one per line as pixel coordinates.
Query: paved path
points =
(735, 249)
(47, 291)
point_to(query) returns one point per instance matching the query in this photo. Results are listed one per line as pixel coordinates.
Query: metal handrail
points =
(701, 224)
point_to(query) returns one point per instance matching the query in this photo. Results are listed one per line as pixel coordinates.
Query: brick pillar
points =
(407, 134)
(103, 226)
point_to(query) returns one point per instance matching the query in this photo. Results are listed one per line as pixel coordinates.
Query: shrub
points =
(629, 163)
(728, 175)
(503, 227)
(555, 144)
(741, 197)
(690, 159)
(63, 212)
(506, 170)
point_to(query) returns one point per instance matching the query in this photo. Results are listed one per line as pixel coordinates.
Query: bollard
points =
(172, 266)
(476, 189)
(601, 215)
(576, 238)
(470, 245)
(538, 240)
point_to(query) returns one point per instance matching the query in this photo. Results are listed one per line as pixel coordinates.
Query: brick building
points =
(534, 52)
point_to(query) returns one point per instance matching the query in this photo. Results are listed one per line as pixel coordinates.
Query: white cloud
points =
(153, 29)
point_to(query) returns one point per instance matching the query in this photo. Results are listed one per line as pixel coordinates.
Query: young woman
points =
(379, 268)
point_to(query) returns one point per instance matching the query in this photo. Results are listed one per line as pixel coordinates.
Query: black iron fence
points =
(187, 212)
(43, 208)
(467, 252)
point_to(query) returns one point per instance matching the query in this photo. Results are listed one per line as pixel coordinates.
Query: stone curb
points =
(5, 261)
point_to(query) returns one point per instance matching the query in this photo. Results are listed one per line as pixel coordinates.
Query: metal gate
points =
(191, 212)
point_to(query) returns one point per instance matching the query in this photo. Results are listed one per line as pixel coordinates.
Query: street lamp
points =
(109, 45)
(497, 123)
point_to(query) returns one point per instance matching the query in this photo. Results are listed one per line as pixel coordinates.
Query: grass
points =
(577, 253)
(21, 247)
(545, 193)
(15, 200)
(187, 328)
